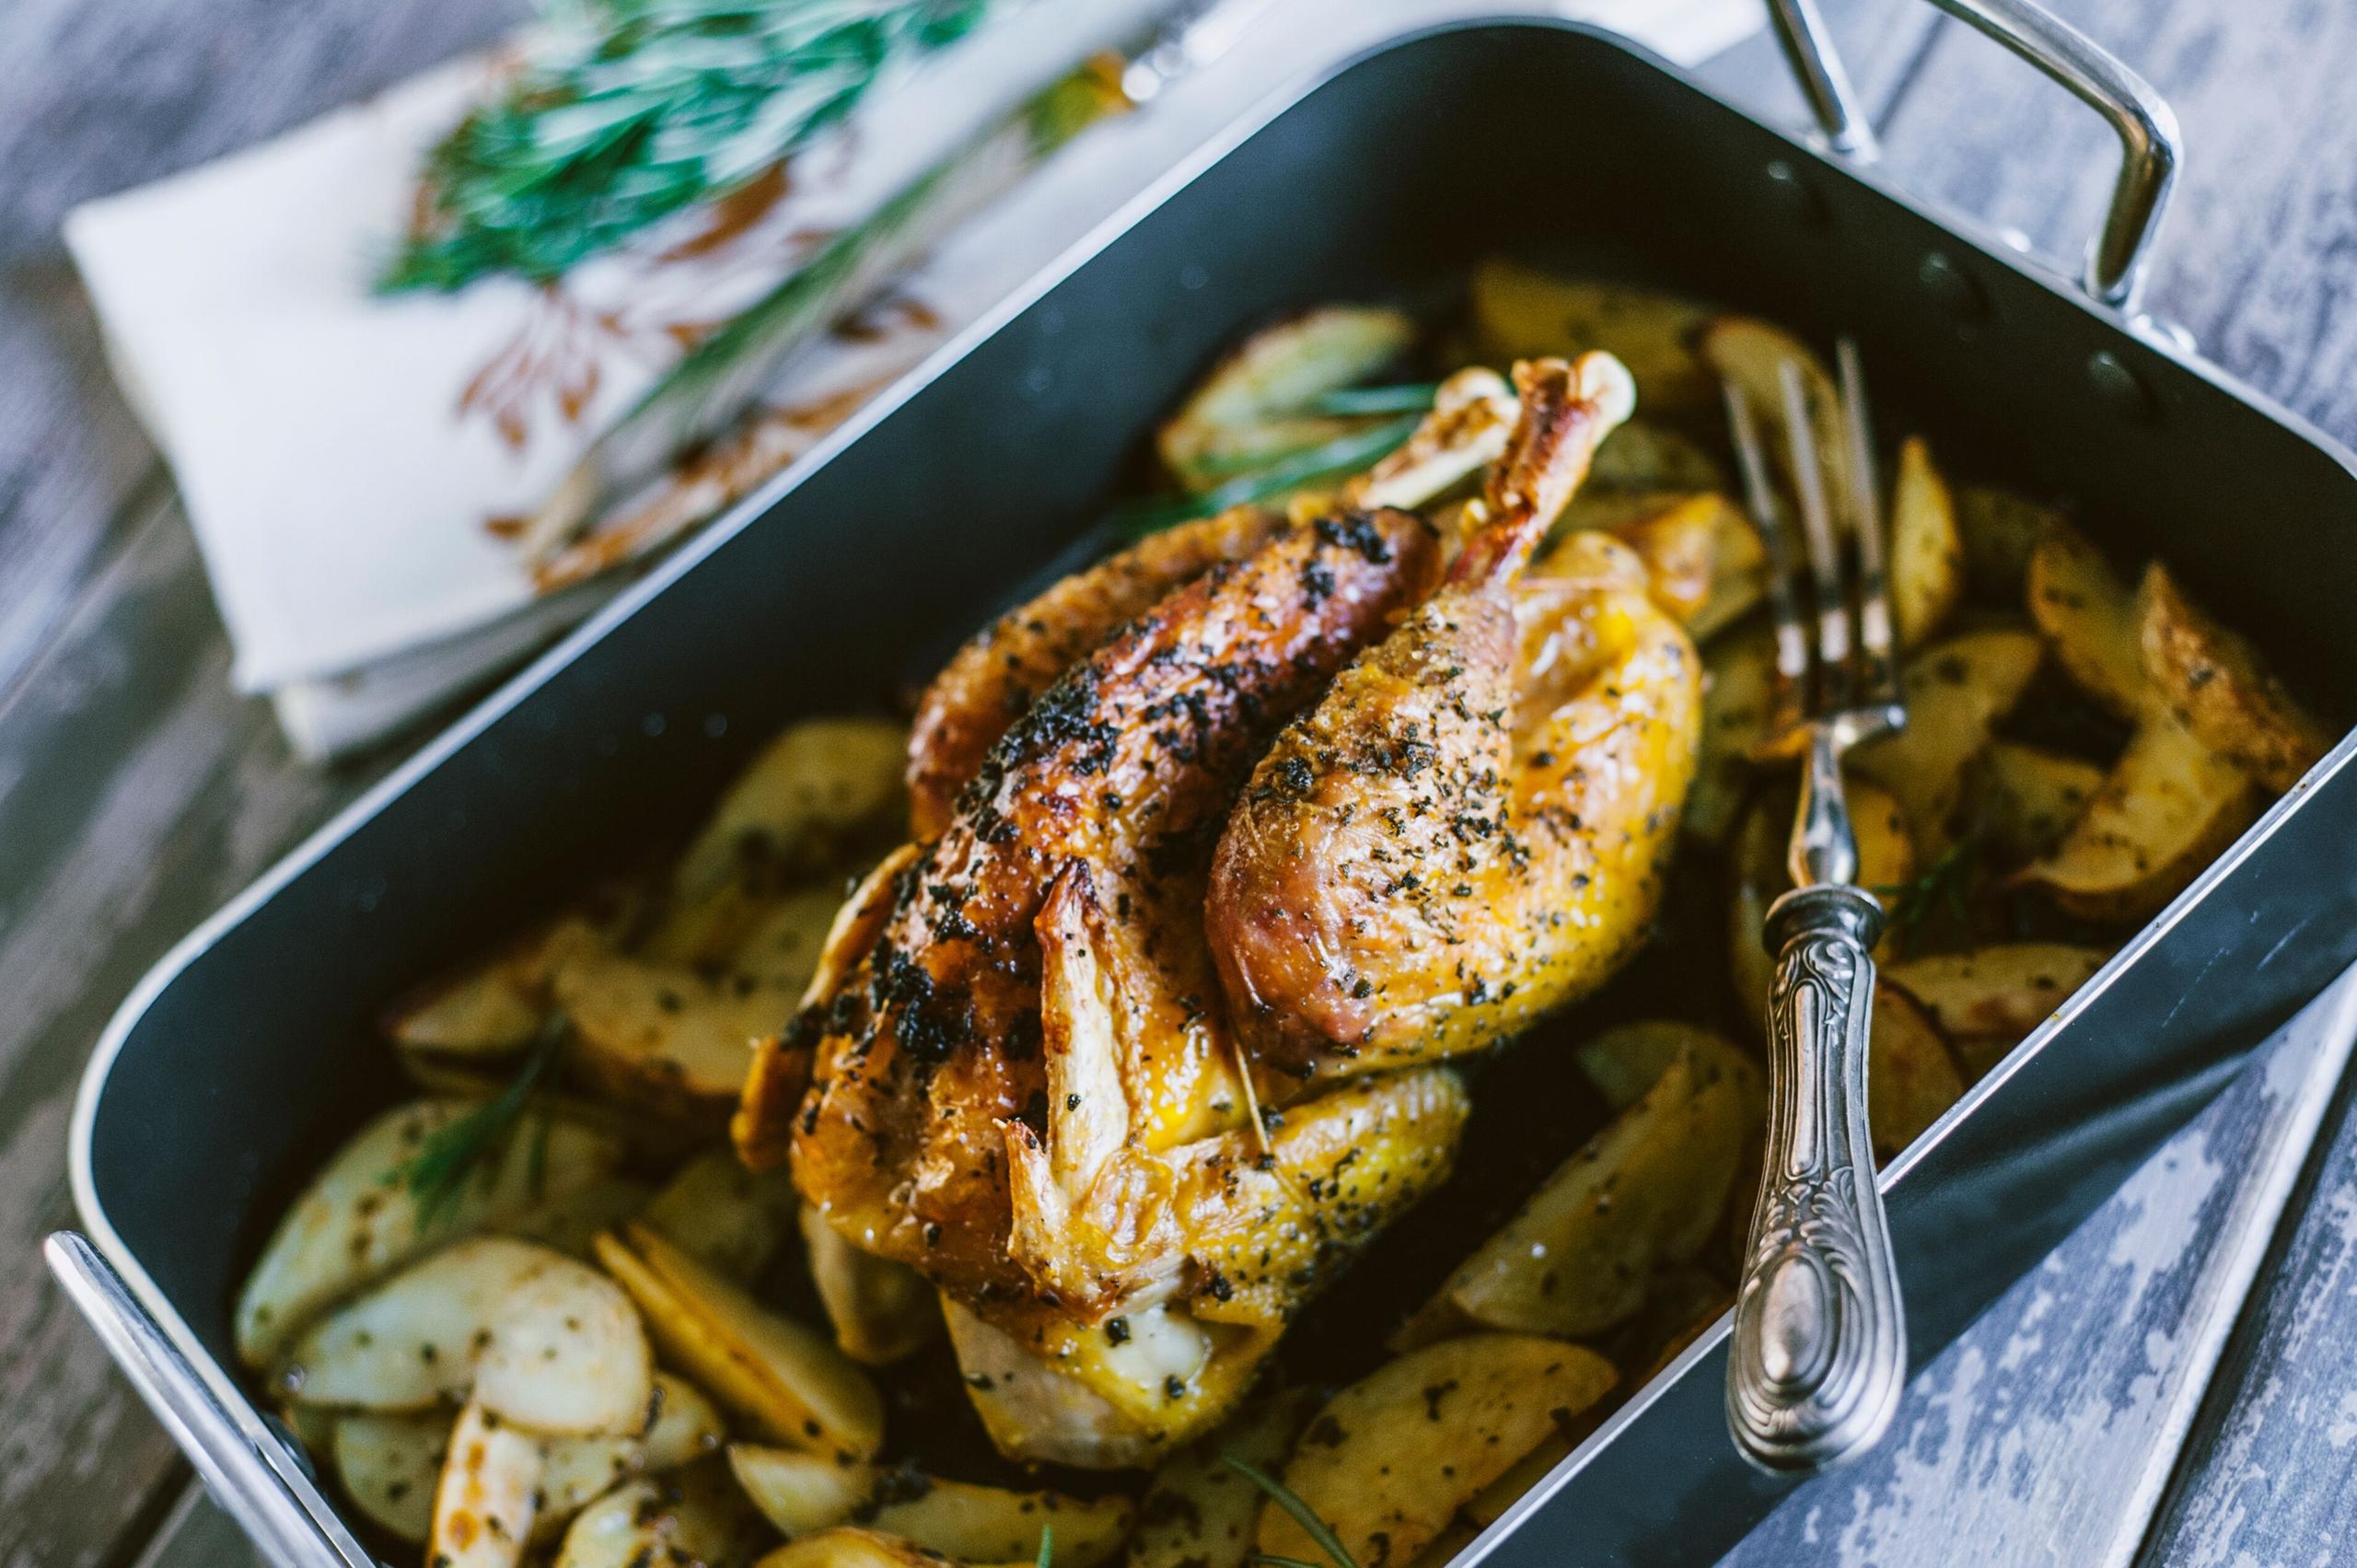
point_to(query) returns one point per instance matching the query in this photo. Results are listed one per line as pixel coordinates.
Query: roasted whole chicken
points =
(1264, 803)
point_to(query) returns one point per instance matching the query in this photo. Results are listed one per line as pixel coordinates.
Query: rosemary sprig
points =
(1408, 396)
(626, 111)
(1942, 892)
(467, 1149)
(1047, 1546)
(1302, 1515)
(1277, 475)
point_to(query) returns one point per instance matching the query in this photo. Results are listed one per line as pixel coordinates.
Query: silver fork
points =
(1819, 1354)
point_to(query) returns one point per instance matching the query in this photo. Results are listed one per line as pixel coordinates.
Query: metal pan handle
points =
(244, 1468)
(2149, 144)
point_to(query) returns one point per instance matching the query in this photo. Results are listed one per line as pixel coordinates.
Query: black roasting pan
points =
(247, 1055)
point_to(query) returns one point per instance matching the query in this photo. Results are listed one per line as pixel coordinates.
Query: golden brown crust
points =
(1126, 767)
(992, 680)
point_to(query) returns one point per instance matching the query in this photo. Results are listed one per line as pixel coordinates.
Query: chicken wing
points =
(1470, 828)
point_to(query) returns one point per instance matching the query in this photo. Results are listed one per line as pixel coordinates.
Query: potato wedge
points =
(1751, 354)
(358, 1221)
(989, 1524)
(800, 1492)
(1912, 1078)
(494, 1008)
(666, 1040)
(1957, 689)
(537, 1339)
(2168, 809)
(1199, 1512)
(2088, 619)
(2000, 529)
(1628, 1060)
(1488, 1506)
(695, 1519)
(1738, 571)
(488, 1497)
(881, 1310)
(822, 790)
(851, 1547)
(566, 1223)
(1647, 1190)
(1034, 1410)
(1389, 1460)
(792, 1384)
(1738, 679)
(2019, 800)
(1255, 403)
(1926, 550)
(389, 1466)
(685, 1426)
(1645, 455)
(2217, 683)
(723, 1215)
(1988, 1000)
(1521, 313)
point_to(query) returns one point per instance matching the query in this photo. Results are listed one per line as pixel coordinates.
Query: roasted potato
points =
(1926, 551)
(1751, 354)
(1988, 1000)
(697, 1518)
(1957, 689)
(723, 1215)
(2088, 619)
(2216, 683)
(1647, 1190)
(1912, 1078)
(1645, 455)
(2019, 800)
(359, 1219)
(490, 1009)
(534, 1338)
(793, 1385)
(1738, 687)
(1999, 531)
(1887, 860)
(1521, 313)
(1389, 1460)
(668, 1042)
(388, 1465)
(881, 1310)
(488, 1497)
(801, 1493)
(2166, 809)
(852, 1548)
(1254, 405)
(1200, 1512)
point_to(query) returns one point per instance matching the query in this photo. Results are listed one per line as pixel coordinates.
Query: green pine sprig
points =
(1942, 894)
(468, 1149)
(1268, 476)
(1317, 1529)
(626, 111)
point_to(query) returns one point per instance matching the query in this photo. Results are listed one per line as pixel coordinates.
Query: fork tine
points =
(1878, 675)
(1760, 499)
(1833, 640)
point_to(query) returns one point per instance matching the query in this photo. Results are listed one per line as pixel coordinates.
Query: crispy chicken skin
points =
(993, 679)
(1470, 828)
(1108, 794)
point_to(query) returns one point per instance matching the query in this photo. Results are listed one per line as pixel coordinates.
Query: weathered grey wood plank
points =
(136, 793)
(2254, 255)
(2270, 1475)
(97, 98)
(2048, 1431)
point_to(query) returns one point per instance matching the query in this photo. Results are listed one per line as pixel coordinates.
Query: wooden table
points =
(2173, 1382)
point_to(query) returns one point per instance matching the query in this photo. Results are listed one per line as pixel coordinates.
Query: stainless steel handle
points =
(2149, 146)
(1819, 1354)
(244, 1466)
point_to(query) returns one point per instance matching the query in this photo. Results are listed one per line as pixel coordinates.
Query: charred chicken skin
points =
(1472, 827)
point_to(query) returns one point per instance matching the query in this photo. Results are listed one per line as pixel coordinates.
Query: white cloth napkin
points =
(348, 460)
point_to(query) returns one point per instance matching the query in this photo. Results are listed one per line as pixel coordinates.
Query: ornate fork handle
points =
(1820, 1353)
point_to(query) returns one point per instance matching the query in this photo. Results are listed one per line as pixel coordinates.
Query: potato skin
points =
(2213, 680)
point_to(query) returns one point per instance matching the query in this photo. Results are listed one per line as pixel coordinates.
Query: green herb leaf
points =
(1942, 894)
(1047, 1546)
(1411, 397)
(469, 1148)
(1283, 472)
(1302, 1515)
(626, 111)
